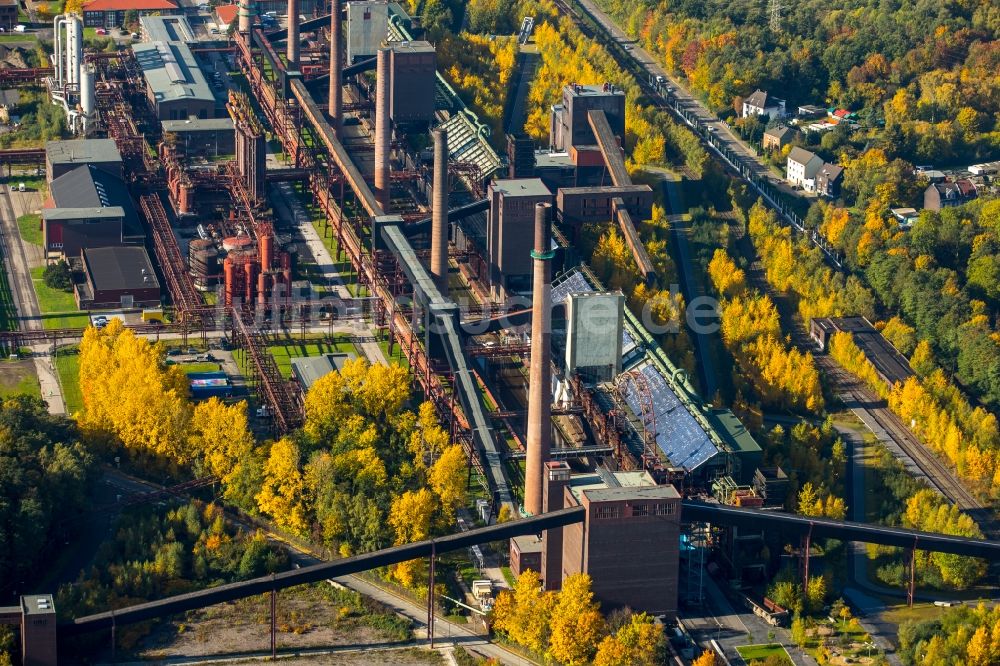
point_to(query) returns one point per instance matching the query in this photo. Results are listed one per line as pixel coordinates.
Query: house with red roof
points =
(226, 15)
(111, 13)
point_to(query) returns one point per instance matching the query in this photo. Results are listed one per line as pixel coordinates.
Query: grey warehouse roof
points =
(82, 151)
(166, 29)
(172, 72)
(89, 187)
(526, 187)
(84, 213)
(120, 268)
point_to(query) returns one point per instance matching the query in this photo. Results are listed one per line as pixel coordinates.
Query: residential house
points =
(828, 180)
(948, 194)
(778, 137)
(226, 15)
(762, 104)
(802, 168)
(111, 13)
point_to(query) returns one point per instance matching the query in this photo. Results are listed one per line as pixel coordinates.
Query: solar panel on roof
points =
(681, 438)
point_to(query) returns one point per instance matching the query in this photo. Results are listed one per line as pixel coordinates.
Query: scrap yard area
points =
(430, 368)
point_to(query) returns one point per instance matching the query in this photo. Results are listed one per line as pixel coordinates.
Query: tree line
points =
(362, 461)
(567, 626)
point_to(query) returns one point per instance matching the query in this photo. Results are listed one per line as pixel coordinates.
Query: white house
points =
(802, 168)
(762, 104)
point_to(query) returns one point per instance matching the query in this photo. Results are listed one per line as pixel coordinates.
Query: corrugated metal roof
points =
(172, 71)
(468, 142)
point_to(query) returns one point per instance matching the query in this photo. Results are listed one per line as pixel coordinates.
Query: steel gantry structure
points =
(448, 383)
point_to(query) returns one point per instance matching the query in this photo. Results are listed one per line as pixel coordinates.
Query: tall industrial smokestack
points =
(439, 211)
(540, 378)
(293, 35)
(336, 70)
(383, 131)
(246, 16)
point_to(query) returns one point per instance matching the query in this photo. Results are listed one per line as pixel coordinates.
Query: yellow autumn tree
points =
(411, 517)
(131, 395)
(577, 624)
(282, 494)
(220, 436)
(447, 478)
(524, 614)
(707, 658)
(639, 643)
(727, 279)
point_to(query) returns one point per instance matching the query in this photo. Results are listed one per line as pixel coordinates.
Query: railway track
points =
(26, 314)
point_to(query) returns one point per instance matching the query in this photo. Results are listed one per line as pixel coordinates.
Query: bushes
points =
(58, 276)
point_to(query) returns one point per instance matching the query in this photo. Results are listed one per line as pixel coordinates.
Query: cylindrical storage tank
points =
(203, 263)
(251, 279)
(185, 196)
(87, 90)
(230, 269)
(58, 59)
(235, 243)
(266, 252)
(262, 288)
(74, 48)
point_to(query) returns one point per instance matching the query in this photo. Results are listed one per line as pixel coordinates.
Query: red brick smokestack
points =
(336, 70)
(293, 35)
(439, 212)
(540, 377)
(383, 129)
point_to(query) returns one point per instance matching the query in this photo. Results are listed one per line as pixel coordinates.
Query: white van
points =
(20, 28)
(20, 187)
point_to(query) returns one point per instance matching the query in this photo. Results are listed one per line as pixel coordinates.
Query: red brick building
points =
(629, 543)
(111, 13)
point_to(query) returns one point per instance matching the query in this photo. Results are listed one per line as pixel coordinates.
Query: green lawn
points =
(51, 300)
(284, 353)
(750, 652)
(17, 377)
(31, 228)
(65, 320)
(397, 357)
(18, 37)
(68, 365)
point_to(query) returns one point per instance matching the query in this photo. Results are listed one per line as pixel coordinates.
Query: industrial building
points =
(35, 616)
(629, 542)
(414, 70)
(175, 85)
(509, 233)
(8, 14)
(196, 137)
(88, 208)
(570, 129)
(156, 28)
(594, 325)
(117, 277)
(111, 13)
(367, 28)
(64, 156)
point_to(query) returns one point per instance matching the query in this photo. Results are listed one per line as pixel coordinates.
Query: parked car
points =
(101, 31)
(100, 321)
